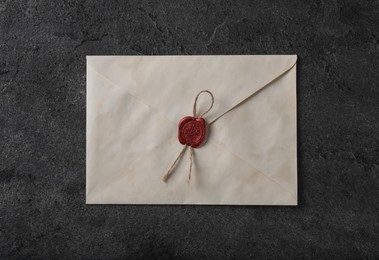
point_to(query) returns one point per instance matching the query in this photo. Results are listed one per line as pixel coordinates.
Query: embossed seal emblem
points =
(192, 131)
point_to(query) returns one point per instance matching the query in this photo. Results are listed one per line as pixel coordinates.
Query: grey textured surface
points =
(43, 45)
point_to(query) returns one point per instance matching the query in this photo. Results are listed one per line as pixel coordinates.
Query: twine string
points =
(172, 167)
(190, 168)
(169, 172)
(195, 103)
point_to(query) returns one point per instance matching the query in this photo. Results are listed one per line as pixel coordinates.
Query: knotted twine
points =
(172, 167)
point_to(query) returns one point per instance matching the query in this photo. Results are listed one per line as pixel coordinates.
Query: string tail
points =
(190, 168)
(169, 172)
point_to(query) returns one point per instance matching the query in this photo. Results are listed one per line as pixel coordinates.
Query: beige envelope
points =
(134, 104)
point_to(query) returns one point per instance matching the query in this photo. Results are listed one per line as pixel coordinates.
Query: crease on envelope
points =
(133, 180)
(111, 101)
(255, 92)
(274, 151)
(256, 170)
(137, 98)
(112, 184)
(253, 171)
(208, 186)
(107, 182)
(185, 77)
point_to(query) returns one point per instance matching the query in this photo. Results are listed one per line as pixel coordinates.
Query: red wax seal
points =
(192, 131)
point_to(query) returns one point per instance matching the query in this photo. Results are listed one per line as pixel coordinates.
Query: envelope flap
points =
(169, 84)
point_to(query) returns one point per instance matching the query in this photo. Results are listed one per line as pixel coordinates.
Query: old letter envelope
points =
(134, 105)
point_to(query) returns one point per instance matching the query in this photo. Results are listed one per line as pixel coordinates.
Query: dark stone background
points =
(43, 45)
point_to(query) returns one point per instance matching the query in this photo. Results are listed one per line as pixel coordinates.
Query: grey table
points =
(43, 45)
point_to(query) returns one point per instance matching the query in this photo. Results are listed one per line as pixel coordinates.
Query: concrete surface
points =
(43, 45)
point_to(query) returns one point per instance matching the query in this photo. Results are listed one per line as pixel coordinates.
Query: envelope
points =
(134, 105)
